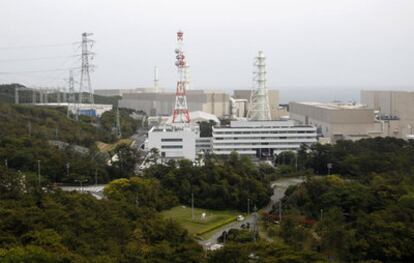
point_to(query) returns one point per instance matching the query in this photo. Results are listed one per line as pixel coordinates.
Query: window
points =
(171, 139)
(171, 147)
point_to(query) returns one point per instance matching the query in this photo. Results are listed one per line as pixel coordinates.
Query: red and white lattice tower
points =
(181, 114)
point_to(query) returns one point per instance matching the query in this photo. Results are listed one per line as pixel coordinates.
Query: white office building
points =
(261, 138)
(174, 141)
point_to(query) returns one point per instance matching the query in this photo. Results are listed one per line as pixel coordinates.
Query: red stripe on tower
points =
(181, 114)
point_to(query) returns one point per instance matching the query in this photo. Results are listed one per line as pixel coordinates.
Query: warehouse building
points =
(337, 121)
(162, 103)
(395, 109)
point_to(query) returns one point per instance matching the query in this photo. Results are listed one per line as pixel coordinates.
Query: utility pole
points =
(296, 161)
(248, 206)
(81, 181)
(67, 169)
(118, 124)
(16, 95)
(96, 177)
(280, 211)
(29, 128)
(38, 171)
(192, 206)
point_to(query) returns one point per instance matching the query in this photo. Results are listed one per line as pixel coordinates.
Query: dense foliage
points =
(142, 192)
(128, 124)
(218, 184)
(21, 121)
(263, 252)
(64, 149)
(54, 226)
(365, 211)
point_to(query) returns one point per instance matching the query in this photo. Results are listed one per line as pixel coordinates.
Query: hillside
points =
(7, 94)
(47, 124)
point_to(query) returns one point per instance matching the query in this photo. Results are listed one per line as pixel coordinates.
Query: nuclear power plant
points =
(247, 121)
(255, 128)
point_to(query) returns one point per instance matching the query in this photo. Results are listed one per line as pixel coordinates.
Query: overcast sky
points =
(322, 43)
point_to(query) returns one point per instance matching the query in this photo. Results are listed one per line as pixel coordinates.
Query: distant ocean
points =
(323, 94)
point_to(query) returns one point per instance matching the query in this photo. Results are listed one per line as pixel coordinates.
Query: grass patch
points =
(105, 147)
(213, 220)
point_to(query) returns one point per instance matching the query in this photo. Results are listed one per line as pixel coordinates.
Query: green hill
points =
(47, 123)
(7, 94)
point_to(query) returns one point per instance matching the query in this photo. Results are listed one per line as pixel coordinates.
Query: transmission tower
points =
(71, 96)
(85, 79)
(259, 101)
(181, 114)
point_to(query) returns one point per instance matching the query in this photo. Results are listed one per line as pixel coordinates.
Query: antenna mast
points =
(181, 114)
(85, 80)
(259, 101)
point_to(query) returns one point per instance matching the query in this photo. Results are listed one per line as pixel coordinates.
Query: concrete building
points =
(213, 102)
(121, 92)
(174, 141)
(261, 138)
(272, 94)
(395, 109)
(336, 121)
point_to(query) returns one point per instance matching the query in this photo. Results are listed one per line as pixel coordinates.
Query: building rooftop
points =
(334, 105)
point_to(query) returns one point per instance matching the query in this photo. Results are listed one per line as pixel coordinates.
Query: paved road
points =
(279, 189)
(139, 137)
(94, 190)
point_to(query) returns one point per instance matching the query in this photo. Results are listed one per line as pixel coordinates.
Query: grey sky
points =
(358, 43)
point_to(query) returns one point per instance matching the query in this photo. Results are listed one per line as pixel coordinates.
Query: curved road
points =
(279, 189)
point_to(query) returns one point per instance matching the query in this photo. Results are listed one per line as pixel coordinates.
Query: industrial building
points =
(336, 121)
(394, 108)
(260, 136)
(162, 103)
(261, 139)
(273, 99)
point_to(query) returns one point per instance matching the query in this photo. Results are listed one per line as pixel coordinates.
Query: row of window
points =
(171, 139)
(263, 143)
(262, 132)
(263, 138)
(251, 149)
(171, 146)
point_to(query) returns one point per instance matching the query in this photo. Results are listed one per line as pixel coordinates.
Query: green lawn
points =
(182, 215)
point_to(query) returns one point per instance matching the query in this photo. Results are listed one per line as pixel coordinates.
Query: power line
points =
(35, 59)
(34, 71)
(39, 46)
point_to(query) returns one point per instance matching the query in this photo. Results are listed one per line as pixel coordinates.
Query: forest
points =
(356, 204)
(221, 183)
